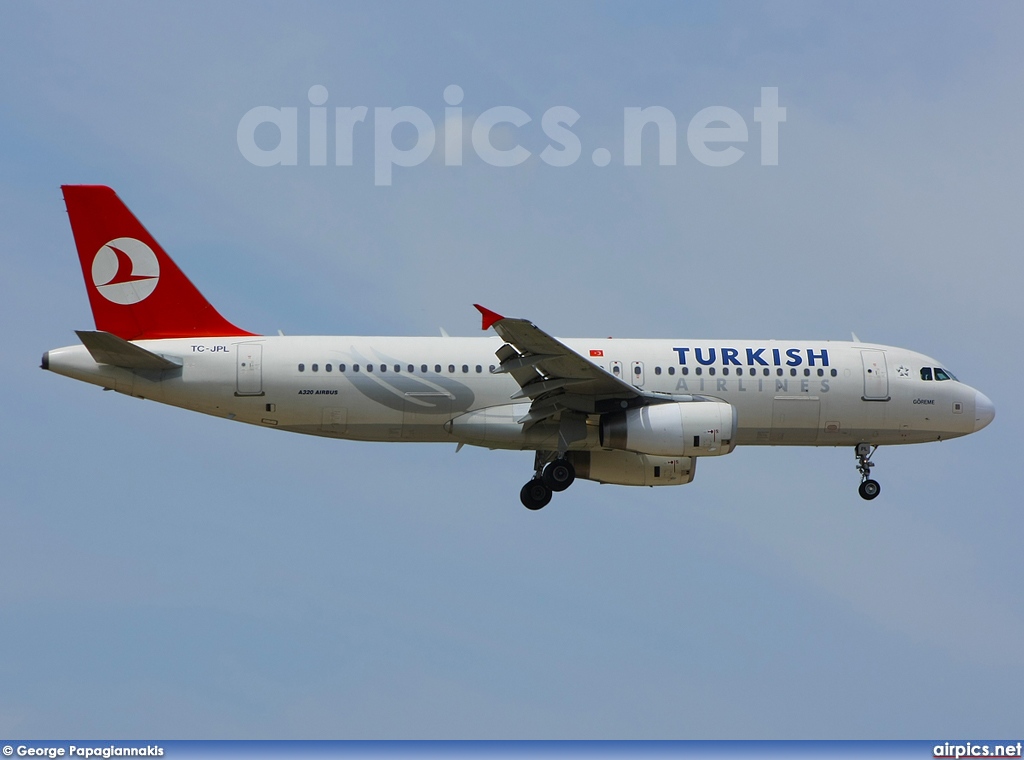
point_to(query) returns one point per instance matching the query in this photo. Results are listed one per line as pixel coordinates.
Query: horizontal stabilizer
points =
(106, 348)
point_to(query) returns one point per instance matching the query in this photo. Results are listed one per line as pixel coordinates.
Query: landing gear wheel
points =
(869, 489)
(559, 474)
(535, 495)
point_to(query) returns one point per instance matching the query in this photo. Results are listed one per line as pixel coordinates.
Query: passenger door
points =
(876, 376)
(248, 369)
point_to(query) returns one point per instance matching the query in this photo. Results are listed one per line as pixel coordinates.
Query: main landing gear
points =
(869, 488)
(555, 475)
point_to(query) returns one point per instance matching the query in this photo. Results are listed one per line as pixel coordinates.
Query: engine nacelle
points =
(624, 468)
(676, 429)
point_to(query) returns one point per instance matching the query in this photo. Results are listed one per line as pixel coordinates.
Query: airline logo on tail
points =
(122, 265)
(125, 271)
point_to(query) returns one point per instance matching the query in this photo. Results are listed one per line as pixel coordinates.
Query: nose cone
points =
(984, 411)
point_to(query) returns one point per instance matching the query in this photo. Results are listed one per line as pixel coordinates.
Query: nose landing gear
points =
(552, 476)
(869, 488)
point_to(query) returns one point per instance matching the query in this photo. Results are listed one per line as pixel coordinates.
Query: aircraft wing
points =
(552, 375)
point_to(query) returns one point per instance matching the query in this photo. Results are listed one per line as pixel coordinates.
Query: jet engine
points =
(674, 429)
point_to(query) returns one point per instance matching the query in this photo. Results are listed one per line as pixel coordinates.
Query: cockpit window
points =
(926, 373)
(941, 374)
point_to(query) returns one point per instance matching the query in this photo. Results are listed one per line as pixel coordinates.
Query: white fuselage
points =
(825, 393)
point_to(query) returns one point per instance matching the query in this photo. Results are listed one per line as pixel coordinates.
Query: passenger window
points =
(725, 370)
(315, 367)
(671, 370)
(833, 373)
(711, 370)
(398, 368)
(821, 373)
(492, 368)
(941, 374)
(451, 368)
(341, 368)
(926, 373)
(355, 367)
(328, 368)
(766, 372)
(437, 368)
(369, 368)
(636, 371)
(807, 372)
(697, 371)
(657, 370)
(302, 368)
(383, 368)
(465, 369)
(479, 369)
(423, 368)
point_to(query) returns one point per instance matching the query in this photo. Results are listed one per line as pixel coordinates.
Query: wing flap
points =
(515, 361)
(540, 387)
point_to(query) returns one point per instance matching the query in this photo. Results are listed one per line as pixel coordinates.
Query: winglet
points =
(490, 317)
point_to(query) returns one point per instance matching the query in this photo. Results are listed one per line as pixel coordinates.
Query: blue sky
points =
(164, 574)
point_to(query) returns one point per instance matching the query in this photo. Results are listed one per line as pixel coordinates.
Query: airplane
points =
(616, 411)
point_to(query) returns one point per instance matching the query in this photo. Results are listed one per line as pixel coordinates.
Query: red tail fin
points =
(136, 291)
